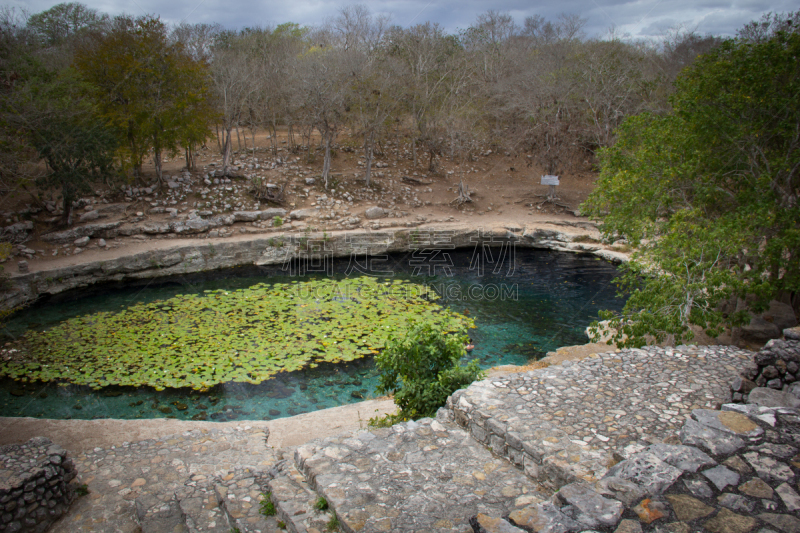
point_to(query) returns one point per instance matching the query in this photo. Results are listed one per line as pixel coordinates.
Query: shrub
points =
(268, 506)
(422, 370)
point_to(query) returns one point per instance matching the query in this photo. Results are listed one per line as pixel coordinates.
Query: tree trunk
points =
(414, 150)
(238, 140)
(226, 152)
(157, 163)
(219, 141)
(253, 131)
(368, 142)
(273, 135)
(326, 165)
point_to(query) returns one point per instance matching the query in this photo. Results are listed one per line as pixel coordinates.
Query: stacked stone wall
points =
(776, 366)
(34, 485)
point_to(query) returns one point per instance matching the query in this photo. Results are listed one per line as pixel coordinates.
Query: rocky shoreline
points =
(167, 257)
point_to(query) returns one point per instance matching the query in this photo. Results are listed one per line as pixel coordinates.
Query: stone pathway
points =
(633, 440)
(416, 476)
(570, 422)
(131, 482)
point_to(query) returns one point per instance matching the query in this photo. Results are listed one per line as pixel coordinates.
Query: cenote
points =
(523, 305)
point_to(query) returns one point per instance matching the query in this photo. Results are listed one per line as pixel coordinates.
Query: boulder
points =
(767, 397)
(246, 216)
(107, 230)
(374, 213)
(593, 510)
(89, 216)
(221, 220)
(300, 214)
(83, 241)
(191, 226)
(16, 233)
(771, 323)
(272, 212)
(792, 333)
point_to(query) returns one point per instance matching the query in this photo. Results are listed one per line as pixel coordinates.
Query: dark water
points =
(524, 302)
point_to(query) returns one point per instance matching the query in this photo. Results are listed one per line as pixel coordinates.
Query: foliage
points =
(153, 92)
(268, 506)
(321, 504)
(333, 523)
(247, 335)
(64, 20)
(422, 368)
(64, 127)
(709, 193)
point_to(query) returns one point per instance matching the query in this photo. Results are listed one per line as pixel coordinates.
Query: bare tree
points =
(233, 72)
(322, 94)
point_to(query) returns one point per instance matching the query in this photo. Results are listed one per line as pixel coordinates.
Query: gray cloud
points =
(639, 19)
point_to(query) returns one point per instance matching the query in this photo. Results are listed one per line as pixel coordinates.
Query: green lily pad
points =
(247, 335)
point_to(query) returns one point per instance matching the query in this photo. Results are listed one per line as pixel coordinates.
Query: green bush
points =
(422, 370)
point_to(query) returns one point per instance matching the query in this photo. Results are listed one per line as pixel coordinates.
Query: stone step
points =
(201, 508)
(155, 515)
(428, 475)
(240, 493)
(294, 500)
(571, 422)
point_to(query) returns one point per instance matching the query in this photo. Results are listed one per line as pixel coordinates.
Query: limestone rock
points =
(712, 440)
(195, 225)
(735, 502)
(374, 213)
(687, 508)
(729, 522)
(82, 241)
(721, 477)
(301, 214)
(272, 212)
(89, 216)
(106, 230)
(767, 397)
(620, 489)
(16, 233)
(792, 333)
(487, 524)
(246, 216)
(593, 509)
(783, 522)
(728, 422)
(687, 458)
(648, 471)
(544, 518)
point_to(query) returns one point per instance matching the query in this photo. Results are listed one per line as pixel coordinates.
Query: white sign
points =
(549, 180)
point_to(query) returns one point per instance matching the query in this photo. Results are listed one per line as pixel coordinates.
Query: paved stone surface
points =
(687, 468)
(415, 476)
(155, 470)
(566, 422)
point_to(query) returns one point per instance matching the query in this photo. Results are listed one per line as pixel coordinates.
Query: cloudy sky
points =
(637, 18)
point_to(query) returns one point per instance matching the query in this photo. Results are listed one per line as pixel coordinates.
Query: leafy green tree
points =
(64, 127)
(63, 21)
(709, 194)
(422, 370)
(153, 92)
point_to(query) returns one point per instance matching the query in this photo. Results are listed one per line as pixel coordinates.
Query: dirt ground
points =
(505, 188)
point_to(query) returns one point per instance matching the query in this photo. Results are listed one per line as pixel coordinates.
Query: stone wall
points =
(776, 366)
(34, 485)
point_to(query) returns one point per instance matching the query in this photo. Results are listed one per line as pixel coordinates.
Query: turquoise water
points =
(524, 303)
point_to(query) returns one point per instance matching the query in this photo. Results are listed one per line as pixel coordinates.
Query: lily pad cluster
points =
(246, 335)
